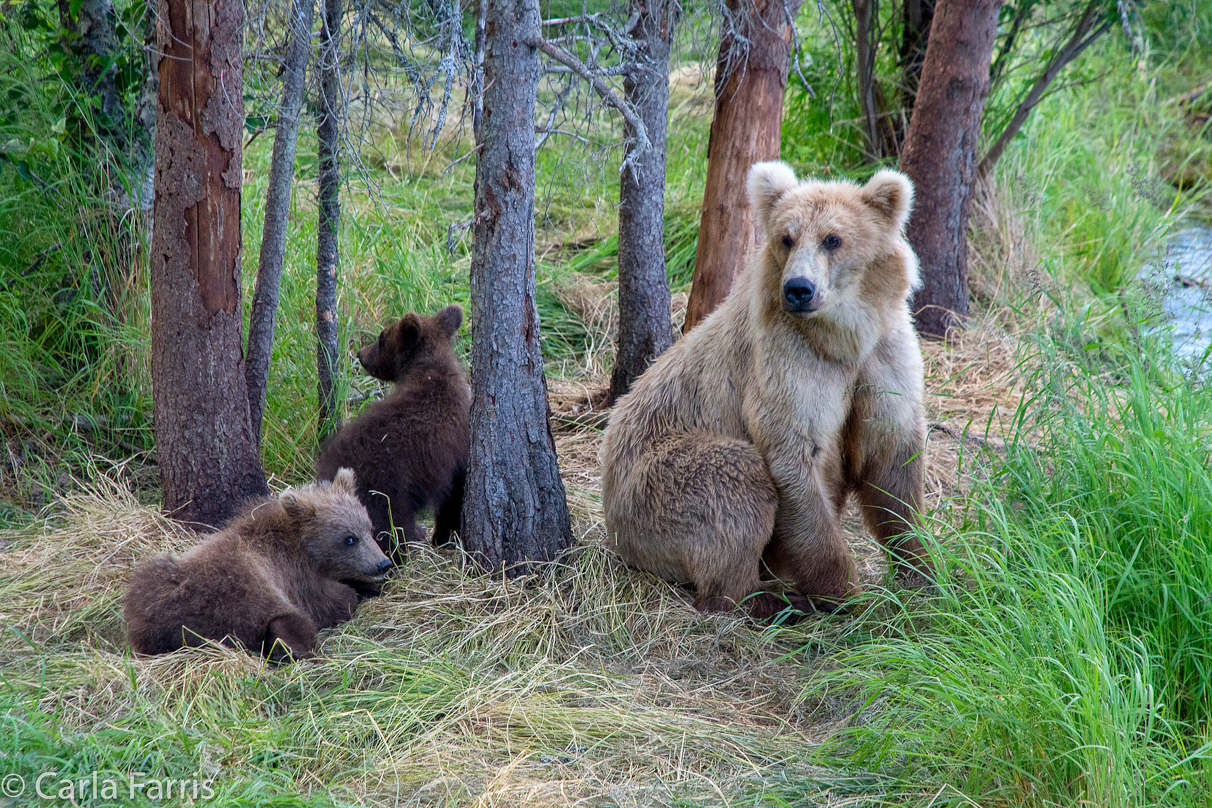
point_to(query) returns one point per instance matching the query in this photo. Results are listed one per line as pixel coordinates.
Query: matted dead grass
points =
(591, 684)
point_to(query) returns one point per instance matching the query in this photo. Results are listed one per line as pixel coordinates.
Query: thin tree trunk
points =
(915, 36)
(1084, 34)
(940, 155)
(328, 354)
(204, 446)
(277, 210)
(645, 325)
(477, 78)
(514, 508)
(881, 140)
(750, 78)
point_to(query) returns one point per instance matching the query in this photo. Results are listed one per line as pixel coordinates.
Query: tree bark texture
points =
(940, 156)
(645, 325)
(277, 210)
(750, 78)
(328, 354)
(204, 445)
(514, 508)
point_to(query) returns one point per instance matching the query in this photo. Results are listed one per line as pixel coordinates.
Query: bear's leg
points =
(808, 549)
(446, 518)
(337, 605)
(701, 511)
(289, 636)
(885, 438)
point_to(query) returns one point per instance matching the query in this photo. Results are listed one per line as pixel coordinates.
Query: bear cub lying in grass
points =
(410, 449)
(274, 576)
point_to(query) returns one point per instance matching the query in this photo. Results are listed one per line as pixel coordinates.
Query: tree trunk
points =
(881, 139)
(750, 77)
(915, 35)
(328, 355)
(514, 508)
(277, 210)
(645, 326)
(204, 446)
(940, 156)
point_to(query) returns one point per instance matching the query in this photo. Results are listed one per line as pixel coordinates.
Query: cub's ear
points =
(346, 481)
(296, 506)
(890, 194)
(410, 331)
(768, 182)
(450, 318)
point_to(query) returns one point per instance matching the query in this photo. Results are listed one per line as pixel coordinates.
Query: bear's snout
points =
(800, 296)
(384, 565)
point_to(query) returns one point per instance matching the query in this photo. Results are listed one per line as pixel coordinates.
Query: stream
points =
(1186, 284)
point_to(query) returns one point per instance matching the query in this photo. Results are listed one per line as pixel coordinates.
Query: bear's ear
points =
(346, 481)
(450, 318)
(410, 331)
(890, 194)
(768, 182)
(296, 507)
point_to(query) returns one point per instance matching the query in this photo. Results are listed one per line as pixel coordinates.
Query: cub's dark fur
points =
(410, 449)
(268, 581)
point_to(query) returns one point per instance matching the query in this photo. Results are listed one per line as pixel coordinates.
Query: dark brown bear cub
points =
(410, 449)
(268, 581)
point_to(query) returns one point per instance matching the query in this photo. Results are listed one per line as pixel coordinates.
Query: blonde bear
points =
(727, 465)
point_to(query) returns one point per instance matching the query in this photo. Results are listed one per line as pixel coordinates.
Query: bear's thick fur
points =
(276, 574)
(410, 449)
(729, 462)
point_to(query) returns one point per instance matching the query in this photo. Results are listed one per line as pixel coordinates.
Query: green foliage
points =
(1066, 657)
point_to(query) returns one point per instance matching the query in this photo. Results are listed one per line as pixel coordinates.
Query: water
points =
(1186, 281)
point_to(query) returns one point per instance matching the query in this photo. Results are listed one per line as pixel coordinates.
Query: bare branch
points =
(608, 96)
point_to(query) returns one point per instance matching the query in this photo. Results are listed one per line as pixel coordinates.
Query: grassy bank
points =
(1064, 661)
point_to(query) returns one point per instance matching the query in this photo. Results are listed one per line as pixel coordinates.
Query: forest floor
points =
(592, 684)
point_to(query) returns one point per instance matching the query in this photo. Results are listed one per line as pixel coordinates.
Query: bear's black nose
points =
(798, 294)
(384, 564)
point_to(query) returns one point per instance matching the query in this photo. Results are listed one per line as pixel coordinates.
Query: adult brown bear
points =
(728, 464)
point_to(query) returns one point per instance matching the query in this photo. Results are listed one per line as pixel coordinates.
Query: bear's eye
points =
(351, 540)
(788, 241)
(831, 242)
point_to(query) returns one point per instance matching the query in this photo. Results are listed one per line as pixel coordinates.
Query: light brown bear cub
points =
(268, 581)
(728, 464)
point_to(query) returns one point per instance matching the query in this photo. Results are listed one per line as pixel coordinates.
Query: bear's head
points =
(409, 343)
(335, 530)
(834, 251)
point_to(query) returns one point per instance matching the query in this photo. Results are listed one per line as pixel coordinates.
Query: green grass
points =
(1065, 660)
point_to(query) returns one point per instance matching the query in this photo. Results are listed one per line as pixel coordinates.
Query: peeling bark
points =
(204, 446)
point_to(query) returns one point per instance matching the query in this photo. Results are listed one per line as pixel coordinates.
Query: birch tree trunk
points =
(514, 509)
(940, 156)
(750, 79)
(204, 445)
(645, 326)
(328, 356)
(277, 210)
